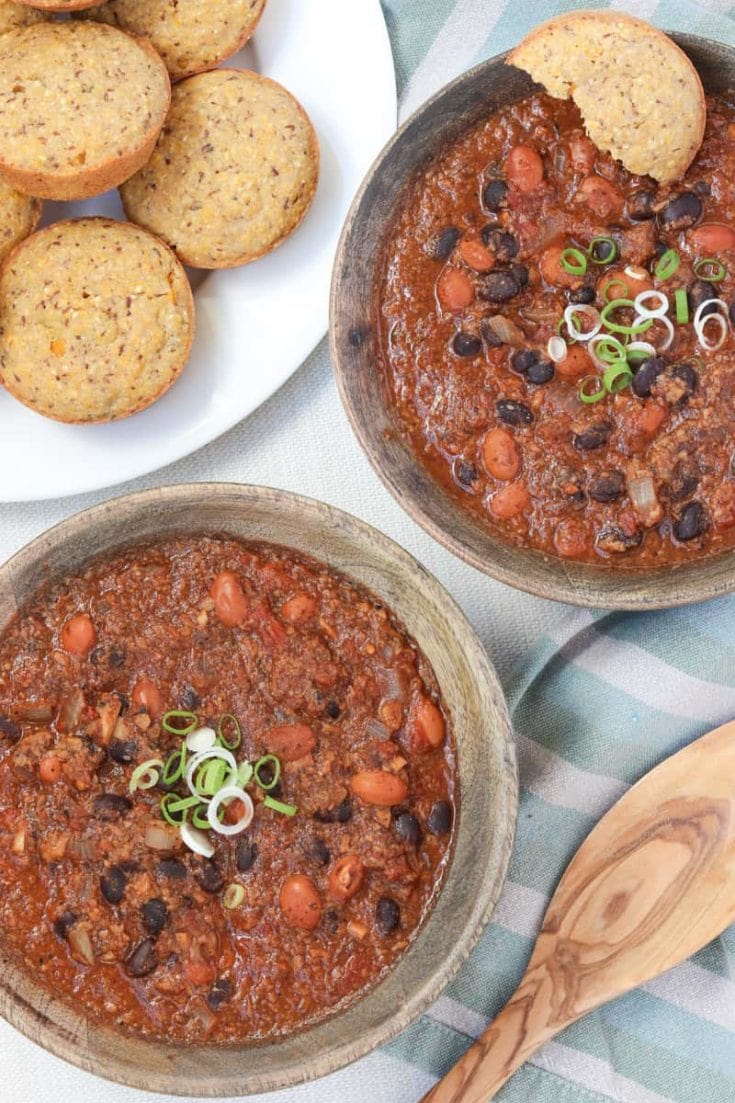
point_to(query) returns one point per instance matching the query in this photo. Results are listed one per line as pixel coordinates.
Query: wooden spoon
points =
(652, 884)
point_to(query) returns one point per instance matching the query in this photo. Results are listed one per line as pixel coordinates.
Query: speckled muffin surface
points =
(81, 107)
(233, 173)
(17, 15)
(96, 320)
(19, 216)
(58, 5)
(190, 35)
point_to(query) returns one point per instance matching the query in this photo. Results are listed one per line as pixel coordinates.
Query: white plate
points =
(256, 325)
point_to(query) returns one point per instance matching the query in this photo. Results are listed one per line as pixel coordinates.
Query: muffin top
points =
(19, 215)
(17, 15)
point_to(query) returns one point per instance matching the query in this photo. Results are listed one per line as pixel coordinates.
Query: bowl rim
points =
(586, 585)
(26, 1016)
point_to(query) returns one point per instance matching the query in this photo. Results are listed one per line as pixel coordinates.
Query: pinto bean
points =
(147, 696)
(426, 729)
(500, 454)
(575, 364)
(476, 256)
(510, 501)
(230, 604)
(299, 608)
(454, 290)
(601, 196)
(346, 877)
(78, 635)
(300, 902)
(629, 281)
(552, 271)
(583, 153)
(713, 238)
(379, 787)
(524, 168)
(290, 742)
(571, 538)
(49, 769)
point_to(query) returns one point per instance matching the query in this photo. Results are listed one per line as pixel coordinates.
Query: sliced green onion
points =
(667, 265)
(616, 282)
(201, 820)
(233, 896)
(175, 809)
(617, 377)
(146, 775)
(681, 305)
(244, 774)
(179, 722)
(586, 396)
(211, 777)
(228, 720)
(710, 269)
(175, 767)
(616, 327)
(573, 261)
(594, 250)
(639, 350)
(264, 761)
(278, 806)
(608, 349)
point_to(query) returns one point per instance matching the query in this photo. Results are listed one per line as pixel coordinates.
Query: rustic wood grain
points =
(651, 885)
(487, 772)
(360, 378)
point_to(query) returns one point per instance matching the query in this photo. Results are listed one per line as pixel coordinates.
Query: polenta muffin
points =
(58, 5)
(233, 173)
(93, 119)
(19, 216)
(18, 15)
(96, 320)
(190, 35)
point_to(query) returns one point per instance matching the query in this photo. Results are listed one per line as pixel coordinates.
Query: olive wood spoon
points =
(652, 884)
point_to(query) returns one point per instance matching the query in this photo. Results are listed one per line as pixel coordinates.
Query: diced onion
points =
(81, 944)
(648, 311)
(642, 494)
(634, 272)
(699, 312)
(202, 739)
(557, 349)
(230, 793)
(204, 756)
(233, 896)
(196, 840)
(701, 325)
(159, 837)
(505, 330)
(589, 312)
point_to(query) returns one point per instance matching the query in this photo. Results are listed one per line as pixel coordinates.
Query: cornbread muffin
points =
(190, 35)
(81, 106)
(17, 15)
(639, 94)
(59, 5)
(233, 173)
(96, 320)
(19, 216)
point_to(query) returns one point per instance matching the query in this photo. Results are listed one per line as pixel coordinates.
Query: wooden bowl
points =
(487, 771)
(434, 127)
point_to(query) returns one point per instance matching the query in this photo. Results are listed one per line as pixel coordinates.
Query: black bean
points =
(387, 915)
(441, 246)
(613, 539)
(341, 814)
(171, 867)
(646, 375)
(123, 750)
(9, 728)
(603, 252)
(498, 286)
(116, 657)
(732, 313)
(684, 481)
(639, 206)
(660, 249)
(154, 914)
(465, 473)
(504, 245)
(220, 992)
(466, 344)
(702, 188)
(513, 413)
(523, 359)
(593, 437)
(608, 486)
(681, 212)
(112, 884)
(408, 828)
(190, 699)
(320, 851)
(330, 920)
(440, 818)
(64, 923)
(688, 376)
(701, 291)
(245, 855)
(540, 372)
(109, 806)
(495, 195)
(584, 294)
(142, 960)
(333, 710)
(521, 273)
(210, 876)
(691, 522)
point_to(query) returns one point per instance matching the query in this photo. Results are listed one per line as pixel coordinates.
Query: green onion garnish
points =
(616, 327)
(175, 809)
(602, 250)
(210, 778)
(146, 775)
(233, 896)
(605, 289)
(573, 261)
(667, 265)
(175, 767)
(244, 774)
(609, 349)
(228, 720)
(617, 377)
(588, 397)
(179, 722)
(199, 816)
(278, 806)
(681, 304)
(710, 269)
(266, 760)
